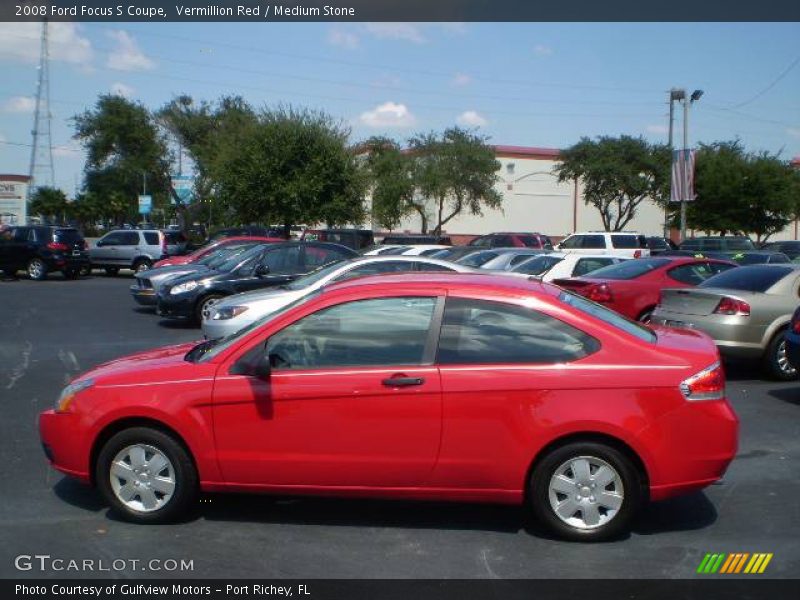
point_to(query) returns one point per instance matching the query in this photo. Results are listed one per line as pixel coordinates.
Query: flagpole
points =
(684, 198)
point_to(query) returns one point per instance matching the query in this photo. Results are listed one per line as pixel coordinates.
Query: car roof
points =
(451, 281)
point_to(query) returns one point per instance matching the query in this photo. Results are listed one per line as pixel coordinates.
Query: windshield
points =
(756, 278)
(538, 265)
(608, 316)
(630, 269)
(314, 276)
(234, 260)
(477, 259)
(205, 351)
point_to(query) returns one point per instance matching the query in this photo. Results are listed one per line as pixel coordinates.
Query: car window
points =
(316, 256)
(428, 266)
(518, 259)
(361, 333)
(692, 273)
(481, 242)
(502, 241)
(429, 251)
(113, 239)
(625, 241)
(720, 267)
(608, 316)
(68, 236)
(572, 242)
(247, 260)
(593, 241)
(488, 332)
(657, 243)
(21, 234)
(151, 238)
(376, 268)
(587, 265)
(630, 269)
(282, 260)
(478, 259)
(129, 238)
(531, 241)
(755, 278)
(537, 265)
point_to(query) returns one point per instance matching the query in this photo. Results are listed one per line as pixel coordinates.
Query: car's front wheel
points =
(585, 491)
(776, 361)
(203, 309)
(146, 476)
(37, 269)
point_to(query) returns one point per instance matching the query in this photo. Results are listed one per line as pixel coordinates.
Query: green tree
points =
(123, 145)
(740, 192)
(617, 174)
(456, 171)
(392, 183)
(49, 203)
(291, 166)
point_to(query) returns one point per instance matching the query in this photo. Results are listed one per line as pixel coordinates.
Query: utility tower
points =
(41, 170)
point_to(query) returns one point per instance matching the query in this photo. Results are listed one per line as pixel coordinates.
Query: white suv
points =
(625, 244)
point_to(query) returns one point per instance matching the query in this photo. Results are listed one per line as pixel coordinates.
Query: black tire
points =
(112, 271)
(538, 497)
(775, 363)
(72, 273)
(186, 487)
(142, 264)
(203, 303)
(37, 269)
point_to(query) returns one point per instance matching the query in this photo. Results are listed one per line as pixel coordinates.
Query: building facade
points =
(14, 199)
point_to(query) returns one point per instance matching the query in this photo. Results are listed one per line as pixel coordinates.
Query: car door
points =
(104, 251)
(498, 361)
(352, 399)
(274, 267)
(128, 248)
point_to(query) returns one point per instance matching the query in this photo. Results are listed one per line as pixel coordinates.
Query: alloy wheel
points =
(205, 311)
(36, 269)
(783, 360)
(586, 492)
(142, 478)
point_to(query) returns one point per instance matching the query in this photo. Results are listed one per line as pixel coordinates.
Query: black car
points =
(659, 245)
(413, 239)
(790, 248)
(41, 249)
(246, 230)
(191, 296)
(352, 238)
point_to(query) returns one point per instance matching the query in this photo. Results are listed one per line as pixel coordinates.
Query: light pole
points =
(674, 94)
(687, 102)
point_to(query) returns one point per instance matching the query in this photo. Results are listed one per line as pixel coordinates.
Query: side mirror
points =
(262, 368)
(262, 270)
(99, 244)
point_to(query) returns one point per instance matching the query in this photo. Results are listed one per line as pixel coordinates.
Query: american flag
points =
(682, 186)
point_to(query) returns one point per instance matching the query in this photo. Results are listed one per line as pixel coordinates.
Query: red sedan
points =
(213, 247)
(474, 388)
(632, 288)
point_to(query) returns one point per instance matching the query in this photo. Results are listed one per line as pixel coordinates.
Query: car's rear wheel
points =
(146, 476)
(143, 264)
(204, 306)
(585, 491)
(112, 271)
(776, 361)
(37, 269)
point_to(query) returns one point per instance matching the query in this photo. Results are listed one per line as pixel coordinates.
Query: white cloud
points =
(471, 118)
(20, 104)
(542, 50)
(120, 89)
(409, 32)
(20, 42)
(388, 114)
(127, 56)
(659, 129)
(343, 38)
(461, 79)
(794, 131)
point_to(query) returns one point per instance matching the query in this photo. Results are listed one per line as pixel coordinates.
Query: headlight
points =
(68, 394)
(227, 312)
(182, 288)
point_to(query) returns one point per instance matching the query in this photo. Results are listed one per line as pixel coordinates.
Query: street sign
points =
(183, 185)
(145, 204)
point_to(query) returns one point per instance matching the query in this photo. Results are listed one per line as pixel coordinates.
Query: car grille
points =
(145, 283)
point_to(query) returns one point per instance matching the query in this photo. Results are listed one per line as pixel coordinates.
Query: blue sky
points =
(533, 84)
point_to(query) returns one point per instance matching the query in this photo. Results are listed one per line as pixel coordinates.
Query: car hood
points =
(174, 260)
(264, 302)
(165, 360)
(171, 271)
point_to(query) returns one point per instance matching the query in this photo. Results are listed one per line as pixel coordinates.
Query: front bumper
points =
(63, 445)
(144, 296)
(175, 307)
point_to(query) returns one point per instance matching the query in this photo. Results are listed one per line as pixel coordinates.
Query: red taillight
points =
(708, 384)
(637, 254)
(796, 325)
(732, 306)
(599, 293)
(58, 246)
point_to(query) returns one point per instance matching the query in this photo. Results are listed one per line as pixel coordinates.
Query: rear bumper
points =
(735, 336)
(62, 444)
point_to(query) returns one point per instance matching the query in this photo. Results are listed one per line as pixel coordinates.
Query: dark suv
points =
(513, 240)
(40, 249)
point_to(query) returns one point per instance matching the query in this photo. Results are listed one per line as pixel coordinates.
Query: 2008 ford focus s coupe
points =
(431, 386)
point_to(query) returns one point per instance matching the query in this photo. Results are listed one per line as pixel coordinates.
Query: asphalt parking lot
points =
(52, 330)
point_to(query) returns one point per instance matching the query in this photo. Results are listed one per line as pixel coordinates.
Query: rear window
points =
(478, 259)
(67, 236)
(531, 241)
(538, 265)
(174, 237)
(630, 269)
(625, 241)
(608, 316)
(151, 238)
(595, 242)
(755, 278)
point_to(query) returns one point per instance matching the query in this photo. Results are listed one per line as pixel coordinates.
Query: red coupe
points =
(474, 388)
(212, 247)
(633, 287)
